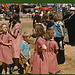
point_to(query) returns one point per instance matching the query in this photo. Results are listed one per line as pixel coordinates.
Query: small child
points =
(5, 48)
(52, 50)
(39, 60)
(15, 30)
(60, 34)
(25, 51)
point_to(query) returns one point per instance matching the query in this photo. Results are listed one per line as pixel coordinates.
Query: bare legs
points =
(16, 60)
(8, 68)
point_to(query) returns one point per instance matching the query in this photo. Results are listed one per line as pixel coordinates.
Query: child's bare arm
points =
(7, 44)
(23, 54)
(14, 34)
(29, 54)
(61, 30)
(56, 52)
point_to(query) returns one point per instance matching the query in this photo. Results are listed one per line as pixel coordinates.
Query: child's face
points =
(28, 38)
(4, 28)
(71, 12)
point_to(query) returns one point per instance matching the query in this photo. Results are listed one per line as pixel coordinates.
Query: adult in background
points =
(36, 18)
(70, 25)
(10, 20)
(50, 21)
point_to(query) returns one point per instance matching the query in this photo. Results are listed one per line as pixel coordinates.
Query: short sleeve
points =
(10, 37)
(40, 41)
(60, 23)
(56, 46)
(21, 46)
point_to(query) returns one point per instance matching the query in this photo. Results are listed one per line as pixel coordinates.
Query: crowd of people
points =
(49, 45)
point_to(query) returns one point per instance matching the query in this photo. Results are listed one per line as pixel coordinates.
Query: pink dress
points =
(52, 60)
(5, 51)
(39, 60)
(17, 41)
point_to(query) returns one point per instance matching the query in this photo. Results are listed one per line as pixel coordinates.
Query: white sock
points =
(15, 67)
(8, 73)
(3, 72)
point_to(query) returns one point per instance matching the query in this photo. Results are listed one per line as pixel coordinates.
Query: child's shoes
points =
(14, 69)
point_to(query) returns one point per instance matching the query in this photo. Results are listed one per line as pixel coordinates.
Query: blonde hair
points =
(50, 33)
(2, 25)
(57, 17)
(25, 34)
(39, 29)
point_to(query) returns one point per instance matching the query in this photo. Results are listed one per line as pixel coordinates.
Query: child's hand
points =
(1, 42)
(11, 26)
(8, 23)
(29, 58)
(25, 58)
(62, 34)
(56, 53)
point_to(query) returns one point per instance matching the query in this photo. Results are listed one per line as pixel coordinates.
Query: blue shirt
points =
(25, 48)
(56, 26)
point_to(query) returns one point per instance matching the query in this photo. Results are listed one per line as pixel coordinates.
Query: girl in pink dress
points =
(52, 50)
(39, 60)
(16, 41)
(5, 49)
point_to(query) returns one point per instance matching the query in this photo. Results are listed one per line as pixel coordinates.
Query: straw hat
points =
(72, 8)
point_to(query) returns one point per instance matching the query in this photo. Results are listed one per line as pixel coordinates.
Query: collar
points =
(52, 39)
(5, 33)
(26, 42)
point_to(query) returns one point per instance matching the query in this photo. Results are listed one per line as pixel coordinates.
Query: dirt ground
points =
(69, 66)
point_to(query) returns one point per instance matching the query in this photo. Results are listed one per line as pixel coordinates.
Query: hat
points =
(72, 8)
(36, 11)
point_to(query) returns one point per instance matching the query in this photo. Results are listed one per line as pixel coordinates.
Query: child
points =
(25, 51)
(60, 33)
(5, 49)
(39, 60)
(52, 50)
(59, 26)
(15, 31)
